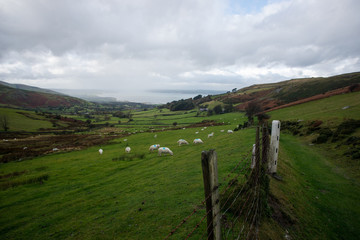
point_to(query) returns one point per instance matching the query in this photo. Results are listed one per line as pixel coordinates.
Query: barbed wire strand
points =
(198, 224)
(233, 170)
(255, 198)
(248, 214)
(249, 194)
(233, 202)
(240, 211)
(255, 213)
(186, 218)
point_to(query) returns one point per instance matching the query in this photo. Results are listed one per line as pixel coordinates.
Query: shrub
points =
(325, 134)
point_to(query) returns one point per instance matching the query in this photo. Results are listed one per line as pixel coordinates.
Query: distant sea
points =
(151, 96)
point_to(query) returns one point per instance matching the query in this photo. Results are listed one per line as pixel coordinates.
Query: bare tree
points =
(251, 110)
(4, 122)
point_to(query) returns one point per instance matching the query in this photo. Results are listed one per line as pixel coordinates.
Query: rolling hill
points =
(293, 91)
(278, 95)
(19, 97)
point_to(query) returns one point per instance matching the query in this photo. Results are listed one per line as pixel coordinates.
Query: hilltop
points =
(275, 95)
(30, 97)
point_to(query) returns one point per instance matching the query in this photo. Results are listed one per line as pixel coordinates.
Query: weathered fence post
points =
(265, 144)
(274, 146)
(211, 186)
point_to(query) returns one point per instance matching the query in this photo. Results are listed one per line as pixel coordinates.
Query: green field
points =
(88, 195)
(320, 196)
(28, 121)
(329, 110)
(84, 195)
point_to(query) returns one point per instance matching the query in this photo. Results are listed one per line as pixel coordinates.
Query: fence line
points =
(245, 218)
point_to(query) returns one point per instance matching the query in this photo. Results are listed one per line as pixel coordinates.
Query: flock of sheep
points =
(166, 150)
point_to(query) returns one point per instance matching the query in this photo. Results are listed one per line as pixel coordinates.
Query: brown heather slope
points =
(29, 99)
(287, 93)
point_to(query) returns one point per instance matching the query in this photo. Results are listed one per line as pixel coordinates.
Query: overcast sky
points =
(137, 49)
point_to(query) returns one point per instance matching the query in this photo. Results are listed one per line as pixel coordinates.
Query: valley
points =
(54, 184)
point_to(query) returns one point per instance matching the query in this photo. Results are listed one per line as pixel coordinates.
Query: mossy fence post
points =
(211, 186)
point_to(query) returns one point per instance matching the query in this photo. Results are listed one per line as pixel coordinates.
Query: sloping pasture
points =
(330, 110)
(85, 195)
(22, 120)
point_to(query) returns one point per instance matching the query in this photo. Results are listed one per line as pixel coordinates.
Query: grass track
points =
(324, 200)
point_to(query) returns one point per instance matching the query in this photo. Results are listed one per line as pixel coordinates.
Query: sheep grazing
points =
(230, 131)
(182, 141)
(125, 140)
(155, 136)
(101, 151)
(164, 150)
(211, 135)
(154, 147)
(222, 130)
(196, 132)
(197, 140)
(127, 149)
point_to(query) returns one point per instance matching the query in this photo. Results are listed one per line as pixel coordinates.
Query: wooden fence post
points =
(211, 186)
(265, 144)
(274, 146)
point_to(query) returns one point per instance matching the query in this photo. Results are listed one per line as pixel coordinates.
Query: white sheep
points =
(101, 151)
(155, 136)
(165, 150)
(230, 131)
(196, 132)
(197, 140)
(222, 130)
(182, 141)
(127, 149)
(154, 147)
(211, 135)
(125, 140)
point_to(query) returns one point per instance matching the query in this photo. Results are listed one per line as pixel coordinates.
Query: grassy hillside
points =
(87, 195)
(331, 110)
(318, 195)
(84, 195)
(276, 94)
(14, 97)
(21, 120)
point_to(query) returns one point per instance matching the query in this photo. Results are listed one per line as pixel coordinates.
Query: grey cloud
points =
(136, 43)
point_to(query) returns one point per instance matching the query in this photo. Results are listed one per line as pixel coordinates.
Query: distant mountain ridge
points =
(29, 88)
(270, 96)
(276, 94)
(18, 95)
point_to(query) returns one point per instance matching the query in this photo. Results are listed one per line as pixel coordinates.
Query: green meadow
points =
(85, 195)
(22, 120)
(331, 110)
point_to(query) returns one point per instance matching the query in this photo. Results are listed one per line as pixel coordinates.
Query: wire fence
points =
(240, 193)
